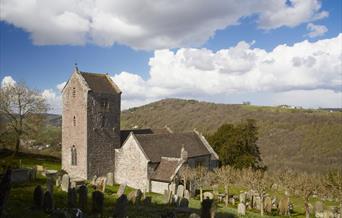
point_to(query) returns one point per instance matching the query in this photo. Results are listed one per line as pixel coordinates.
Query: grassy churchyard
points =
(20, 201)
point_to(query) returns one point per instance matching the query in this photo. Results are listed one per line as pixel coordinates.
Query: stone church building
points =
(93, 143)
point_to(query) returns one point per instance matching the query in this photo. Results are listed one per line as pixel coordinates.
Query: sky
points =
(267, 52)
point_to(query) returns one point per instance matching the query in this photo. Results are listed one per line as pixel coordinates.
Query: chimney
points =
(184, 154)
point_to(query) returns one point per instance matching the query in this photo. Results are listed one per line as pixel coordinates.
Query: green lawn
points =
(20, 200)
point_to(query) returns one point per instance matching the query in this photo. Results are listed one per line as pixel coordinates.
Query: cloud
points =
(316, 30)
(145, 24)
(61, 86)
(204, 74)
(7, 81)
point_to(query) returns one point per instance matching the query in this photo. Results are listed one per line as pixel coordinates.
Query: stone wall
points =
(131, 165)
(159, 187)
(103, 132)
(75, 105)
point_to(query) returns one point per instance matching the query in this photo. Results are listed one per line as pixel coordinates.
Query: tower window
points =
(74, 121)
(73, 92)
(73, 156)
(103, 121)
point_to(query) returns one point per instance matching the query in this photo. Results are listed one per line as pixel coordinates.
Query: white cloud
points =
(146, 24)
(61, 86)
(204, 74)
(316, 30)
(7, 81)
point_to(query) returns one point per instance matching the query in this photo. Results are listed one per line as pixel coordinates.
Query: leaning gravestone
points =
(101, 183)
(72, 198)
(268, 204)
(48, 202)
(121, 190)
(83, 197)
(180, 191)
(65, 182)
(241, 209)
(208, 208)
(187, 195)
(120, 208)
(208, 195)
(98, 199)
(38, 196)
(110, 178)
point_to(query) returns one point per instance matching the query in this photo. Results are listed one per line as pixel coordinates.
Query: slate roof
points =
(100, 83)
(167, 169)
(156, 146)
(125, 133)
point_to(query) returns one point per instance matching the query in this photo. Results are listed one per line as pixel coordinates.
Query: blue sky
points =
(158, 55)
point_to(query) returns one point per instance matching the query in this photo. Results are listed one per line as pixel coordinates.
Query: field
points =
(20, 200)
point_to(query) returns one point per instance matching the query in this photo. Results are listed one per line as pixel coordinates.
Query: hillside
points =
(301, 139)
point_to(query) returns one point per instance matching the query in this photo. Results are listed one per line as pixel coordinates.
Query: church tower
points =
(90, 124)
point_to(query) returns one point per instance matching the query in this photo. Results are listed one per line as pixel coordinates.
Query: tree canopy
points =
(237, 146)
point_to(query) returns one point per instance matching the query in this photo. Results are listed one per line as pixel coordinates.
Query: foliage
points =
(236, 145)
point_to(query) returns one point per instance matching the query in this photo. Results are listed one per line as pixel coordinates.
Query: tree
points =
(22, 108)
(225, 176)
(236, 145)
(333, 184)
(202, 178)
(187, 174)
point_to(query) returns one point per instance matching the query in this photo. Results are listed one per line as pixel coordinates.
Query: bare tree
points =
(187, 174)
(21, 106)
(333, 185)
(225, 176)
(202, 178)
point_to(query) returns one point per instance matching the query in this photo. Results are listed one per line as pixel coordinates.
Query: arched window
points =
(73, 156)
(73, 92)
(74, 121)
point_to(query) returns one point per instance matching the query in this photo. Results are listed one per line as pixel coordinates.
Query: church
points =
(93, 143)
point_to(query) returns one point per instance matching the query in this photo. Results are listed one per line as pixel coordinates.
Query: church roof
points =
(125, 133)
(100, 83)
(167, 169)
(156, 146)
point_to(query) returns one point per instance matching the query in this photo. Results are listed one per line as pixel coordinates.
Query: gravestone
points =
(47, 202)
(184, 203)
(121, 190)
(268, 204)
(93, 181)
(97, 202)
(120, 208)
(180, 191)
(83, 197)
(257, 203)
(187, 195)
(215, 190)
(241, 209)
(72, 198)
(208, 195)
(38, 196)
(194, 215)
(135, 196)
(284, 206)
(65, 182)
(242, 197)
(232, 201)
(101, 183)
(39, 168)
(110, 178)
(208, 208)
(172, 188)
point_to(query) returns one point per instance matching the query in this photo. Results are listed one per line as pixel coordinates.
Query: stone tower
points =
(90, 124)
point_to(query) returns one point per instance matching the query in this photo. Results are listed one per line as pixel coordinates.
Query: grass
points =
(20, 200)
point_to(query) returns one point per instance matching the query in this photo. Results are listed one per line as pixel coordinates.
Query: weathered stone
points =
(257, 202)
(72, 198)
(110, 178)
(101, 183)
(187, 195)
(38, 196)
(48, 202)
(120, 208)
(208, 195)
(284, 206)
(180, 191)
(242, 197)
(135, 196)
(319, 207)
(184, 203)
(231, 201)
(83, 197)
(65, 182)
(194, 215)
(208, 208)
(172, 188)
(241, 209)
(121, 190)
(268, 204)
(39, 168)
(97, 202)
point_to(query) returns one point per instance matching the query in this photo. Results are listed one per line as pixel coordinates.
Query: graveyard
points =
(21, 201)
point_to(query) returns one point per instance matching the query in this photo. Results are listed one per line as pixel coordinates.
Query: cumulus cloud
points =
(316, 30)
(204, 74)
(60, 86)
(146, 24)
(7, 81)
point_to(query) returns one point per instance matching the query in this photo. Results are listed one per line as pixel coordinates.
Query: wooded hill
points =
(302, 139)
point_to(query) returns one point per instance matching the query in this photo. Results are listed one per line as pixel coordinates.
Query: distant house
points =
(94, 145)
